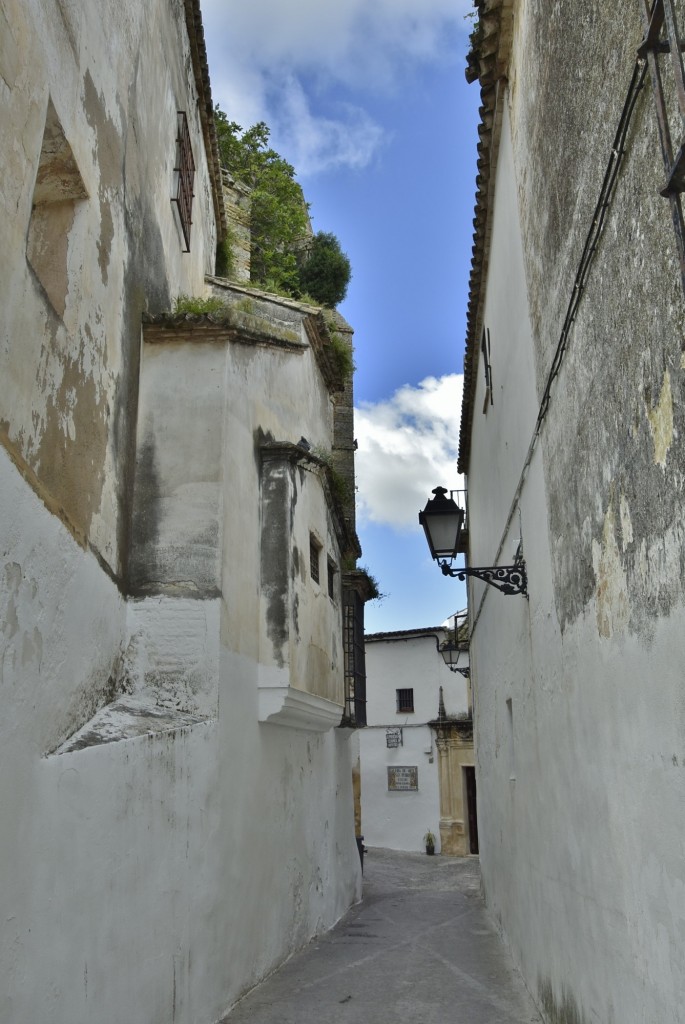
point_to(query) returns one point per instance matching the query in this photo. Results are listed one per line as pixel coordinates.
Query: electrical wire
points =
(591, 242)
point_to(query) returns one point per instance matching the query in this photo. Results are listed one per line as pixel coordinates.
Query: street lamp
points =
(450, 655)
(455, 644)
(442, 521)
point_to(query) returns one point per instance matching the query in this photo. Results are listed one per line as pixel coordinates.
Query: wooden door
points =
(472, 814)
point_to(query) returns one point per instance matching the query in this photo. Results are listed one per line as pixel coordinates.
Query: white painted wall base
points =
(399, 820)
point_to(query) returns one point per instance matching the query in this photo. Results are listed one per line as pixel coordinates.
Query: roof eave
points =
(487, 62)
(198, 52)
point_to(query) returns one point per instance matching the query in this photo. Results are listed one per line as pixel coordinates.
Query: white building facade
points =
(411, 781)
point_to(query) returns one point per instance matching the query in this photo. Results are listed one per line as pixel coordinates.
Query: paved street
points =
(419, 949)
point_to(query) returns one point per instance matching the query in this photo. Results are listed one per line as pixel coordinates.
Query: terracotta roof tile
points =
(487, 62)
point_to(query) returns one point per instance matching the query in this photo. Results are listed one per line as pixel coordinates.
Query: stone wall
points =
(237, 200)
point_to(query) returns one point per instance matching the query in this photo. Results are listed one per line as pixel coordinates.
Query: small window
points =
(405, 701)
(314, 557)
(184, 174)
(510, 734)
(485, 349)
(331, 579)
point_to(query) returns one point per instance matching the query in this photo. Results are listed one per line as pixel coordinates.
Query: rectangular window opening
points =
(485, 350)
(184, 172)
(314, 557)
(405, 701)
(331, 579)
(354, 655)
(510, 731)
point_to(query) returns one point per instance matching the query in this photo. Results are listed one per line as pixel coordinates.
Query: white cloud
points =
(407, 446)
(320, 143)
(276, 61)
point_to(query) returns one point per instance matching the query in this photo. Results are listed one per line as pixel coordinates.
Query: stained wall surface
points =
(90, 96)
(577, 691)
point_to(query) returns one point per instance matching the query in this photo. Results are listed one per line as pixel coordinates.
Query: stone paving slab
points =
(418, 949)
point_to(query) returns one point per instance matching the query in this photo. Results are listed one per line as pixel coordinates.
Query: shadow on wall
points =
(564, 1012)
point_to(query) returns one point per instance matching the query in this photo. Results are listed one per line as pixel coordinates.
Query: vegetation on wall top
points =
(283, 256)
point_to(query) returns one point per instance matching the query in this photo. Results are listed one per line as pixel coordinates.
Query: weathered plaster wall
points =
(614, 472)
(277, 395)
(300, 622)
(89, 96)
(161, 848)
(198, 855)
(178, 503)
(62, 627)
(578, 695)
(399, 820)
(141, 884)
(226, 499)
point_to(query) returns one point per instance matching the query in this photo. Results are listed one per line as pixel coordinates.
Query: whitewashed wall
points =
(108, 78)
(160, 876)
(578, 716)
(161, 848)
(399, 820)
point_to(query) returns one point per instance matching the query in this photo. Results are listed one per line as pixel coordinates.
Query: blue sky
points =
(370, 104)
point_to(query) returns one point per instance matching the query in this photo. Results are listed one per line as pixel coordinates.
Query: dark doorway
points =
(472, 814)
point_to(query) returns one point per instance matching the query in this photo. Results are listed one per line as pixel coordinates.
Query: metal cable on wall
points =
(606, 195)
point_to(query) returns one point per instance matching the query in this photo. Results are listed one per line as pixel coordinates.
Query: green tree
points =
(279, 218)
(325, 272)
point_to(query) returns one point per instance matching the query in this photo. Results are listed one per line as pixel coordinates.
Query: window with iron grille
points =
(331, 579)
(405, 700)
(487, 366)
(184, 177)
(355, 663)
(314, 557)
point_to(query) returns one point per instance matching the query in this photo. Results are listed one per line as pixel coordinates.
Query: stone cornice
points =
(234, 325)
(297, 709)
(359, 580)
(319, 325)
(452, 727)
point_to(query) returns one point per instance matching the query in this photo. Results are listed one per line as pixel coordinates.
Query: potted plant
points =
(429, 840)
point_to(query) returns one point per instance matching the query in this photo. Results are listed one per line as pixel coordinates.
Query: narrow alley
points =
(419, 949)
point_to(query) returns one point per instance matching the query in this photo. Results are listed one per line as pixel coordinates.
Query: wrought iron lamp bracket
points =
(509, 579)
(465, 672)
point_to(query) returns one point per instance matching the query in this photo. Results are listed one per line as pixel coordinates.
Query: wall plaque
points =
(393, 737)
(403, 778)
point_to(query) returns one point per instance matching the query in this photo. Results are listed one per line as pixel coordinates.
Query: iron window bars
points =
(185, 177)
(314, 550)
(405, 700)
